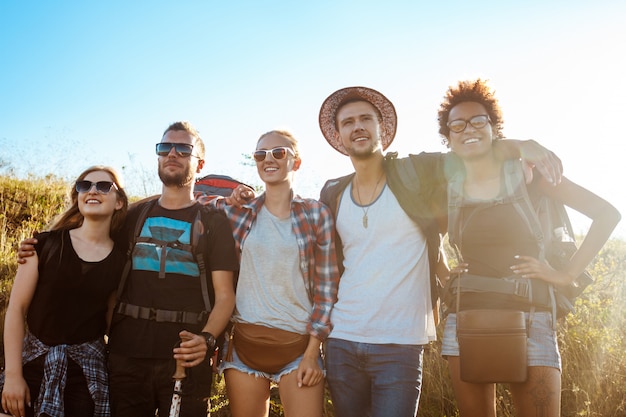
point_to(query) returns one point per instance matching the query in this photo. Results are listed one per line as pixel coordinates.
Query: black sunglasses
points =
(277, 153)
(478, 122)
(102, 187)
(182, 149)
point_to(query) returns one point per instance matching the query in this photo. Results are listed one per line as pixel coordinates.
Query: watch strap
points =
(210, 340)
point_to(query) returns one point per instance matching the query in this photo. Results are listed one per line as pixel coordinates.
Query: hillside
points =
(592, 341)
(26, 206)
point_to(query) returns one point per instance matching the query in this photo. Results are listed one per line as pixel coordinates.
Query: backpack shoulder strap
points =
(405, 179)
(410, 182)
(516, 193)
(333, 190)
(199, 231)
(406, 171)
(515, 184)
(455, 201)
(143, 210)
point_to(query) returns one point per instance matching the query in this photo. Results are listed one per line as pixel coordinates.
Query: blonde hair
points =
(287, 135)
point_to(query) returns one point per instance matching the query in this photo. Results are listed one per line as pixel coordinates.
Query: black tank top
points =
(70, 301)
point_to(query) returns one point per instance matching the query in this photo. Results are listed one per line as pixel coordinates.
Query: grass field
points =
(592, 341)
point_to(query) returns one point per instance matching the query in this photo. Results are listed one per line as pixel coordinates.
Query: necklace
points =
(358, 194)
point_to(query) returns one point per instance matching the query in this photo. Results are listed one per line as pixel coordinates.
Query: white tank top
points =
(384, 293)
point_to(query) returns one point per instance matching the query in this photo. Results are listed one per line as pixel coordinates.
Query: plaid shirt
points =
(313, 225)
(90, 356)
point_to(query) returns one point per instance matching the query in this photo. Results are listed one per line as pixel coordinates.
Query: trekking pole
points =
(179, 375)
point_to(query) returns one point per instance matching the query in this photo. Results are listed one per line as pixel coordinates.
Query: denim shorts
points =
(237, 364)
(543, 348)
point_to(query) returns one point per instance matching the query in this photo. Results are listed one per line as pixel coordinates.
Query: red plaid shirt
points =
(313, 224)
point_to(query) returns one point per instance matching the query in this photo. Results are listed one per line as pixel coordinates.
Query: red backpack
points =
(214, 184)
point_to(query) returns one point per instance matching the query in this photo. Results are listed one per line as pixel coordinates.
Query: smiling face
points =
(471, 141)
(272, 170)
(358, 126)
(94, 203)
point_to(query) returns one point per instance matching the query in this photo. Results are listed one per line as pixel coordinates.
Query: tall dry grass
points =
(592, 341)
(26, 206)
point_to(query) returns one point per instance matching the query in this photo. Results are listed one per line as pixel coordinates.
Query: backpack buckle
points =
(521, 288)
(203, 317)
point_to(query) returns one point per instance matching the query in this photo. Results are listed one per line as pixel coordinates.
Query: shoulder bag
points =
(492, 344)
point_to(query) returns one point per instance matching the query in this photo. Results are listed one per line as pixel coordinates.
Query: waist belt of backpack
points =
(161, 316)
(533, 291)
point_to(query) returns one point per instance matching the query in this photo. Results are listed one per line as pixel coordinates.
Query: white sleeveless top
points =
(384, 292)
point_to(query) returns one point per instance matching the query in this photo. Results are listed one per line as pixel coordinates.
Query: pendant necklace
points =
(358, 194)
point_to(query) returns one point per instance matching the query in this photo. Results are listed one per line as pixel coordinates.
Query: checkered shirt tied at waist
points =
(90, 356)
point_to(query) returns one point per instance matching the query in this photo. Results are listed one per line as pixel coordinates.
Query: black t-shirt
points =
(179, 289)
(70, 302)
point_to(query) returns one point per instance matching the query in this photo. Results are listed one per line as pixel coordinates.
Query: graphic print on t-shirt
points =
(150, 256)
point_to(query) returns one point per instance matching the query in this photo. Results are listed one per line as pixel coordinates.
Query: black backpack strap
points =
(141, 218)
(405, 178)
(159, 315)
(515, 184)
(406, 171)
(199, 231)
(516, 194)
(542, 216)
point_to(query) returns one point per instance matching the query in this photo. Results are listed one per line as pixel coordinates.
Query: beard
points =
(364, 153)
(179, 180)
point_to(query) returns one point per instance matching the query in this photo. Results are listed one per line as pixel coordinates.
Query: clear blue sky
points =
(97, 82)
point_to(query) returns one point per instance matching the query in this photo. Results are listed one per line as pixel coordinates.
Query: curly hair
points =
(477, 91)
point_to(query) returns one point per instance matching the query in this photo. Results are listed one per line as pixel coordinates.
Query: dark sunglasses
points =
(102, 187)
(277, 153)
(478, 122)
(182, 149)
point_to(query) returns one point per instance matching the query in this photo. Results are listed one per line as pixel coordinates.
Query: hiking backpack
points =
(214, 184)
(211, 184)
(550, 225)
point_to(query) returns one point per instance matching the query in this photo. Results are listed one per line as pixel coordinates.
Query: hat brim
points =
(328, 113)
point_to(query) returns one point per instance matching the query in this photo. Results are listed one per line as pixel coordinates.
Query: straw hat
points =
(328, 113)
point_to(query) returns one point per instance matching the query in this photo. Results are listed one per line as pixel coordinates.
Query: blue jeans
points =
(373, 380)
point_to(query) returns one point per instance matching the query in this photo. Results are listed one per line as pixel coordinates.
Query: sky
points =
(85, 83)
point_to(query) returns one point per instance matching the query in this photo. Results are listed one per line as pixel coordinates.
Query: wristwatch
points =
(210, 341)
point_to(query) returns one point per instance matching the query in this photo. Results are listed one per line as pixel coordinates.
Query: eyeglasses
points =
(478, 122)
(182, 149)
(277, 153)
(102, 187)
